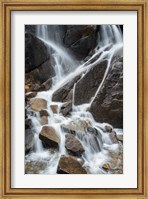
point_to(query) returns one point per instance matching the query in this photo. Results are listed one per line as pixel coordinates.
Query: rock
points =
(108, 104)
(113, 137)
(119, 137)
(76, 126)
(87, 86)
(31, 95)
(106, 166)
(46, 85)
(28, 123)
(40, 78)
(80, 39)
(37, 104)
(31, 29)
(29, 140)
(54, 108)
(27, 88)
(44, 120)
(69, 165)
(44, 113)
(73, 145)
(66, 108)
(63, 93)
(49, 136)
(34, 167)
(36, 52)
(108, 128)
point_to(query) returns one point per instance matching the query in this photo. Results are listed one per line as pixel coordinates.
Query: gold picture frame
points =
(6, 6)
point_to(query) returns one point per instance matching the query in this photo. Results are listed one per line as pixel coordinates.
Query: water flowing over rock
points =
(37, 104)
(73, 99)
(108, 104)
(69, 165)
(62, 93)
(73, 145)
(87, 86)
(49, 136)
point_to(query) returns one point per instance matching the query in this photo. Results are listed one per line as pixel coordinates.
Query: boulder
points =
(80, 39)
(44, 113)
(37, 104)
(40, 78)
(46, 85)
(87, 86)
(66, 108)
(49, 136)
(106, 166)
(119, 137)
(73, 145)
(108, 128)
(76, 126)
(36, 52)
(108, 104)
(31, 95)
(35, 167)
(63, 93)
(54, 108)
(69, 165)
(29, 140)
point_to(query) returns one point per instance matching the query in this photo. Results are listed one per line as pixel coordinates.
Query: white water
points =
(97, 147)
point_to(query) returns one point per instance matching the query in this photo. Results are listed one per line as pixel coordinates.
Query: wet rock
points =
(66, 108)
(54, 108)
(29, 140)
(44, 120)
(106, 166)
(80, 39)
(108, 128)
(119, 137)
(28, 123)
(40, 79)
(73, 145)
(108, 104)
(34, 167)
(69, 165)
(27, 88)
(46, 85)
(63, 93)
(31, 95)
(87, 86)
(76, 126)
(49, 136)
(113, 137)
(36, 52)
(37, 104)
(44, 113)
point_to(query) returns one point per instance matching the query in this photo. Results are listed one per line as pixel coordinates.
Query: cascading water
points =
(97, 145)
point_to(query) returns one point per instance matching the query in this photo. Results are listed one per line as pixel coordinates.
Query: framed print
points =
(73, 99)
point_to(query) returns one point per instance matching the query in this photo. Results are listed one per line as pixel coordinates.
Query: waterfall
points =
(90, 133)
